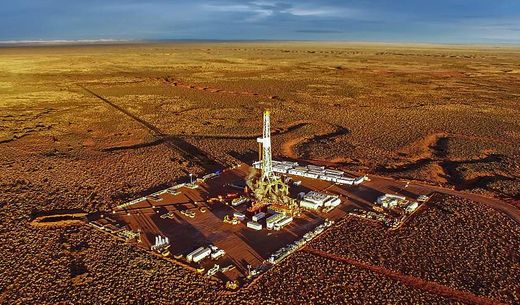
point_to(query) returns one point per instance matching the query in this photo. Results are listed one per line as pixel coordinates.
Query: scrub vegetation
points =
(89, 127)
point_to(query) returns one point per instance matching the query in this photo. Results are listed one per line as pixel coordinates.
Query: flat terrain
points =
(91, 127)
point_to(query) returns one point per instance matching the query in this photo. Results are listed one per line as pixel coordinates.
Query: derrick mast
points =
(265, 150)
(269, 189)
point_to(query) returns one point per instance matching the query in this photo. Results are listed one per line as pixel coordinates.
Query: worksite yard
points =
(245, 248)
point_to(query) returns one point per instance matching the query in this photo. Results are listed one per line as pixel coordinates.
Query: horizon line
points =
(108, 41)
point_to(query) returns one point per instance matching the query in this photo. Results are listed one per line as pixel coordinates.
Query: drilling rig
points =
(269, 189)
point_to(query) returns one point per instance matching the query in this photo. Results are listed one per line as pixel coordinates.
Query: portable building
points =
(217, 254)
(315, 167)
(412, 207)
(310, 175)
(334, 172)
(359, 180)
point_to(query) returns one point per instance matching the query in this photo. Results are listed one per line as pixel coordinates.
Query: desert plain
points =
(89, 127)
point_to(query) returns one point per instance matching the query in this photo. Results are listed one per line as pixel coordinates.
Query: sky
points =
(437, 21)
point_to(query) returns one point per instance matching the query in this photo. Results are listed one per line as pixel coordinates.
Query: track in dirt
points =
(187, 150)
(335, 131)
(288, 147)
(414, 282)
(177, 83)
(432, 150)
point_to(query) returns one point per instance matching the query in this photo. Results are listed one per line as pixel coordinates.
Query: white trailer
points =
(332, 201)
(309, 205)
(258, 216)
(283, 222)
(202, 254)
(347, 181)
(239, 216)
(254, 225)
(190, 255)
(271, 220)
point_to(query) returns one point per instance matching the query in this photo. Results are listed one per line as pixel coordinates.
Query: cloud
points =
(310, 12)
(312, 31)
(250, 12)
(259, 10)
